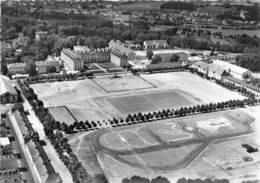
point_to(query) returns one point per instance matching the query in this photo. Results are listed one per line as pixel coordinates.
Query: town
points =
(130, 91)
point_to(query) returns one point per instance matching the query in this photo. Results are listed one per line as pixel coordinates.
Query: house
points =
(8, 93)
(155, 44)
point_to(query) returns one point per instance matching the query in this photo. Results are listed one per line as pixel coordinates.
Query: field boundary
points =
(115, 91)
(67, 109)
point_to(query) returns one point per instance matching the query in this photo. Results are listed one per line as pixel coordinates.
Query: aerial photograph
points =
(130, 91)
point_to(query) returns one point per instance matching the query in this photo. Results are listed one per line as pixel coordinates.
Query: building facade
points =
(71, 60)
(118, 58)
(44, 66)
(16, 68)
(100, 55)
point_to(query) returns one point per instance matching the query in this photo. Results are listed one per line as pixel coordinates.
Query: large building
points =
(71, 60)
(216, 69)
(118, 46)
(99, 55)
(44, 66)
(119, 58)
(16, 68)
(8, 93)
(155, 44)
(234, 70)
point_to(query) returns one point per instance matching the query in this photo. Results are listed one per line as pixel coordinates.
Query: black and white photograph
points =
(130, 91)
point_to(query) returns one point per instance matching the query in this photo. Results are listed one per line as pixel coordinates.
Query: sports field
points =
(105, 97)
(149, 101)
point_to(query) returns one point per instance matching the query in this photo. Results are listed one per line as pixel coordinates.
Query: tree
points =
(100, 178)
(156, 59)
(250, 59)
(174, 58)
(149, 54)
(30, 68)
(160, 179)
(51, 69)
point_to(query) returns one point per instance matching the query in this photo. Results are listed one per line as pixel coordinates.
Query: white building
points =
(71, 60)
(234, 70)
(14, 68)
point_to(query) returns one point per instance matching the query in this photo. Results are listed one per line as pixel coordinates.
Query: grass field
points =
(62, 114)
(149, 102)
(144, 136)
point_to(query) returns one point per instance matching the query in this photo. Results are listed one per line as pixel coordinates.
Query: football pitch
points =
(149, 102)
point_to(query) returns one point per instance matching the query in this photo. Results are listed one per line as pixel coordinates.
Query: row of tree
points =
(60, 143)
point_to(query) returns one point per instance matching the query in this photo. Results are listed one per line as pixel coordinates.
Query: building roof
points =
(6, 86)
(4, 141)
(73, 55)
(120, 47)
(228, 66)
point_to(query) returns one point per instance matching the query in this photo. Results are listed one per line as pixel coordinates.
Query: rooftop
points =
(227, 65)
(6, 86)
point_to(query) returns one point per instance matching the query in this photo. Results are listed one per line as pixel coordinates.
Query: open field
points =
(148, 149)
(103, 97)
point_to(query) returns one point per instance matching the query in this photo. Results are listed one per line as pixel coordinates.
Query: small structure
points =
(41, 35)
(8, 93)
